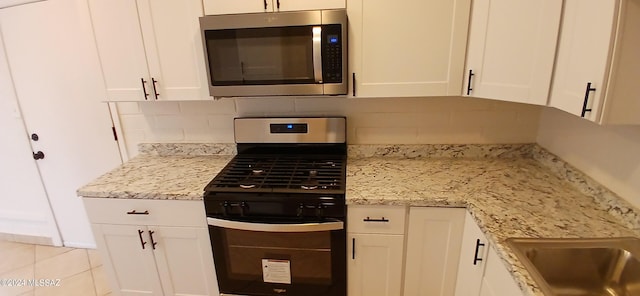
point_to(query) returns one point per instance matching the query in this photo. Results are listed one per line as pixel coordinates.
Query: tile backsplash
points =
(439, 120)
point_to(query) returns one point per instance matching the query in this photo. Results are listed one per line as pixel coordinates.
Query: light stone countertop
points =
(510, 190)
(508, 197)
(174, 177)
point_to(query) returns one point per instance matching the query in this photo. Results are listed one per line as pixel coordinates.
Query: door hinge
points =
(115, 134)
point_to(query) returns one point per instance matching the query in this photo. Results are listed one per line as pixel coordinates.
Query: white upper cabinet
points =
(150, 49)
(212, 7)
(597, 65)
(407, 48)
(511, 50)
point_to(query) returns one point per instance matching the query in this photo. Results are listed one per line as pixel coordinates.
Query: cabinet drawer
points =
(376, 219)
(147, 212)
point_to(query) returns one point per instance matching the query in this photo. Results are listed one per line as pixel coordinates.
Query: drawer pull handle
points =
(153, 242)
(375, 220)
(138, 213)
(475, 257)
(142, 242)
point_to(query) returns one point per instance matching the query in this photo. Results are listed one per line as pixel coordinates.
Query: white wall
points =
(609, 154)
(447, 120)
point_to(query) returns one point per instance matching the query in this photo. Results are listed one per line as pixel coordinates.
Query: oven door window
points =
(261, 56)
(268, 263)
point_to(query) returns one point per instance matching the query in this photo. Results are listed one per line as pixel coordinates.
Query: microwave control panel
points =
(332, 54)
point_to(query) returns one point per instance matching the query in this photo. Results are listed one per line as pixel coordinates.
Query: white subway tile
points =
(158, 107)
(451, 134)
(329, 105)
(136, 122)
(202, 135)
(511, 134)
(128, 108)
(221, 122)
(208, 135)
(386, 135)
(400, 119)
(181, 121)
(265, 106)
(222, 106)
(165, 135)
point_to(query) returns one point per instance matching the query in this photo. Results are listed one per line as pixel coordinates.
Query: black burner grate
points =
(274, 173)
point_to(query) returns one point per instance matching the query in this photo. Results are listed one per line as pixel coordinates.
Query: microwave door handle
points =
(304, 227)
(317, 54)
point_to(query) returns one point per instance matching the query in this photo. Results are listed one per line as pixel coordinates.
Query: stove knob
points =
(225, 208)
(244, 208)
(320, 210)
(300, 210)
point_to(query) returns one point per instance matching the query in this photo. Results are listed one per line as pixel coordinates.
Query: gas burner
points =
(309, 187)
(257, 171)
(247, 186)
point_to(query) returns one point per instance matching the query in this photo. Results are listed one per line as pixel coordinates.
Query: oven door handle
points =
(304, 227)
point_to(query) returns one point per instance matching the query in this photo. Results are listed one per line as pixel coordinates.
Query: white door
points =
(184, 259)
(213, 7)
(375, 265)
(407, 48)
(293, 5)
(25, 209)
(512, 46)
(497, 280)
(433, 248)
(473, 258)
(118, 39)
(175, 53)
(57, 82)
(129, 264)
(583, 56)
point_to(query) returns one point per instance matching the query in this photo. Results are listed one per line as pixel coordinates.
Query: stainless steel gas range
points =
(277, 213)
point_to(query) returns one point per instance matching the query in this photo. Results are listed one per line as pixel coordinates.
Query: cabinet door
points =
(473, 258)
(497, 280)
(433, 249)
(119, 42)
(213, 7)
(512, 46)
(292, 5)
(583, 55)
(173, 43)
(184, 259)
(408, 47)
(130, 267)
(375, 264)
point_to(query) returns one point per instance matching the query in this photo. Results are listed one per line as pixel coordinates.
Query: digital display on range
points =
(289, 128)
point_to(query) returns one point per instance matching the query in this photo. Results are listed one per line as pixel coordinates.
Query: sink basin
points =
(582, 267)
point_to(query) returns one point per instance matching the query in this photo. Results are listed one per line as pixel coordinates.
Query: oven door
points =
(279, 257)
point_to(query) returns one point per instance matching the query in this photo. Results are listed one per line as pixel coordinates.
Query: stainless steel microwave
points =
(275, 54)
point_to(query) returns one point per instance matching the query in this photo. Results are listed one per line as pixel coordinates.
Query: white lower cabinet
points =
(375, 267)
(376, 248)
(480, 271)
(473, 255)
(497, 280)
(433, 249)
(147, 250)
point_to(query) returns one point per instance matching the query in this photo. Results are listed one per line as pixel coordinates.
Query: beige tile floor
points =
(80, 271)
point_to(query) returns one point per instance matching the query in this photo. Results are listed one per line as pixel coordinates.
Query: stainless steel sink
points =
(582, 267)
